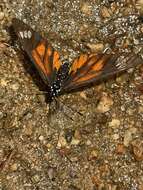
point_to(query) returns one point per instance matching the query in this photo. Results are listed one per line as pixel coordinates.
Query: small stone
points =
(115, 136)
(61, 142)
(114, 123)
(140, 108)
(1, 115)
(142, 29)
(3, 82)
(75, 141)
(51, 173)
(86, 8)
(83, 95)
(28, 130)
(76, 138)
(77, 134)
(139, 5)
(14, 167)
(48, 146)
(64, 151)
(105, 104)
(96, 180)
(128, 136)
(88, 142)
(95, 47)
(93, 155)
(15, 87)
(137, 146)
(1, 16)
(41, 138)
(141, 186)
(120, 149)
(35, 178)
(105, 12)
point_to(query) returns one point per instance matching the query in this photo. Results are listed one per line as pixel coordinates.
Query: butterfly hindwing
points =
(88, 69)
(41, 53)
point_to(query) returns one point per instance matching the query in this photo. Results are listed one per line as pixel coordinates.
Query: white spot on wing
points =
(21, 35)
(121, 63)
(29, 34)
(25, 34)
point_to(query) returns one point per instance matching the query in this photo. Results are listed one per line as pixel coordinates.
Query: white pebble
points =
(1, 15)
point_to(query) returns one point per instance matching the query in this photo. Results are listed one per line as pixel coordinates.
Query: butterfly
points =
(61, 78)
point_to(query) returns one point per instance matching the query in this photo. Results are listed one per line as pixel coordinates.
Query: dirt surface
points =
(102, 149)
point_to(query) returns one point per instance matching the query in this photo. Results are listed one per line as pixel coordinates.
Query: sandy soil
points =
(103, 148)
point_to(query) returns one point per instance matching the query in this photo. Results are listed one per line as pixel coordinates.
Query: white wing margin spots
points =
(125, 62)
(25, 34)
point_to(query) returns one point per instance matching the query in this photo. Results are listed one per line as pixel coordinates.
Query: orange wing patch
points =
(47, 64)
(87, 77)
(56, 61)
(46, 58)
(100, 63)
(79, 62)
(38, 61)
(84, 59)
(41, 49)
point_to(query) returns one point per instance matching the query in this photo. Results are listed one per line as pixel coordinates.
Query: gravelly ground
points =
(103, 149)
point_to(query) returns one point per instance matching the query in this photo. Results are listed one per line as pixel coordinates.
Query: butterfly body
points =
(61, 77)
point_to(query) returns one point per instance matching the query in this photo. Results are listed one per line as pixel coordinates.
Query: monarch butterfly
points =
(63, 78)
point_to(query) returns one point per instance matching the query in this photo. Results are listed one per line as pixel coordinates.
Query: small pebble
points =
(35, 178)
(95, 47)
(93, 155)
(62, 142)
(86, 8)
(114, 123)
(1, 16)
(88, 142)
(28, 130)
(115, 136)
(15, 87)
(141, 186)
(51, 173)
(137, 146)
(128, 136)
(14, 167)
(105, 12)
(105, 104)
(75, 141)
(120, 149)
(3, 82)
(83, 95)
(41, 138)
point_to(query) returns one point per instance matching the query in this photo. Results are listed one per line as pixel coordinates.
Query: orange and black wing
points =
(44, 57)
(88, 69)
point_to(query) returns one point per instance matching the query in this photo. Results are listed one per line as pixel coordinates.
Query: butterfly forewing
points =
(41, 53)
